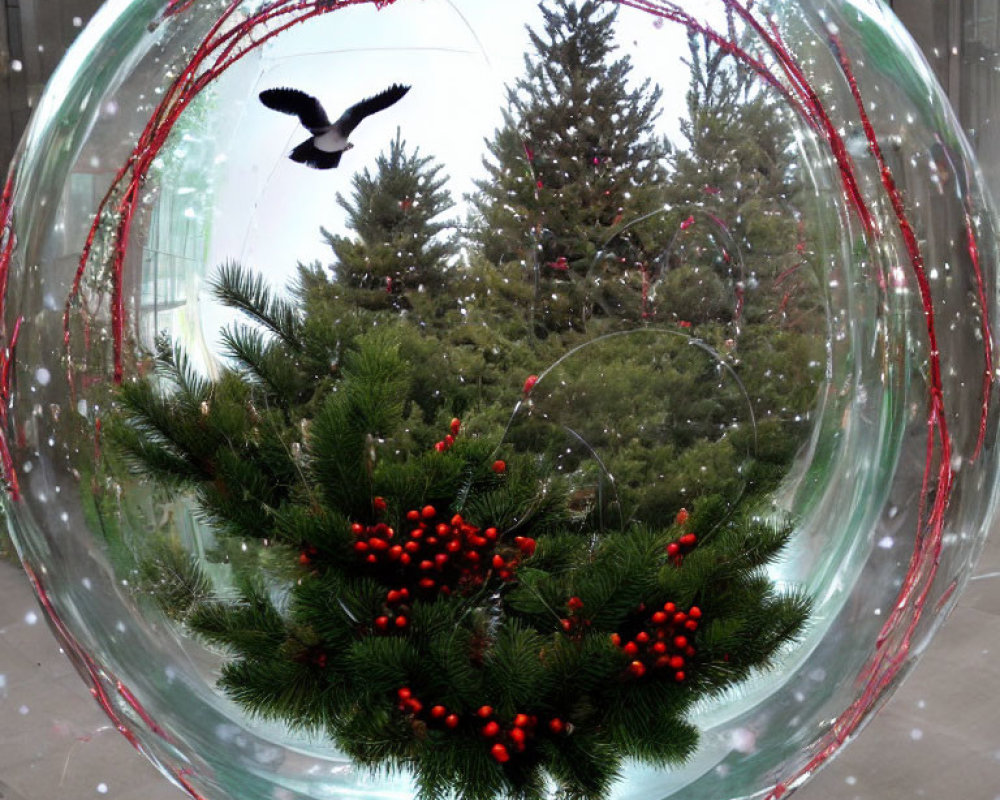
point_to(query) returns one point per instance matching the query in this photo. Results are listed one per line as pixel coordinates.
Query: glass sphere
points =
(671, 256)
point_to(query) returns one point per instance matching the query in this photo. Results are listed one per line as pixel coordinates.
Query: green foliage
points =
(398, 251)
(564, 599)
(573, 168)
(536, 631)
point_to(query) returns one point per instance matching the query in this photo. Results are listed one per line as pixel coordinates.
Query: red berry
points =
(375, 544)
(679, 676)
(680, 642)
(529, 383)
(449, 440)
(499, 466)
(490, 533)
(637, 668)
(484, 711)
(694, 612)
(659, 648)
(556, 725)
(371, 559)
(682, 516)
(688, 540)
(426, 583)
(395, 552)
(401, 621)
(428, 511)
(440, 447)
(361, 547)
(499, 752)
(517, 736)
(451, 720)
(455, 425)
(405, 559)
(382, 623)
(691, 625)
(405, 693)
(575, 603)
(526, 545)
(673, 549)
(411, 546)
(659, 618)
(662, 661)
(357, 528)
(566, 625)
(498, 562)
(631, 649)
(413, 514)
(440, 560)
(453, 546)
(304, 558)
(521, 721)
(616, 640)
(642, 637)
(379, 504)
(676, 662)
(426, 564)
(491, 729)
(393, 596)
(437, 712)
(670, 608)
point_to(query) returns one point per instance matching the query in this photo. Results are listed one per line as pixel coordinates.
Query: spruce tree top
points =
(577, 153)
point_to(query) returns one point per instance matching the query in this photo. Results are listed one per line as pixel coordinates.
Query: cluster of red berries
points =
(449, 439)
(513, 737)
(438, 714)
(574, 621)
(663, 642)
(436, 557)
(683, 545)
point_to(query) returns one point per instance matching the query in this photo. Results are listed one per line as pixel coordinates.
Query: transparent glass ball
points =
(768, 275)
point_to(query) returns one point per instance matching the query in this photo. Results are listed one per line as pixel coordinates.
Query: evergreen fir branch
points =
(174, 579)
(264, 363)
(173, 362)
(236, 287)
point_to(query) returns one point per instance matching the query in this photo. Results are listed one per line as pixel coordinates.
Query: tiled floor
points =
(939, 736)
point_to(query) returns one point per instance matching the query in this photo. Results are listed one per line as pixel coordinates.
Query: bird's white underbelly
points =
(330, 142)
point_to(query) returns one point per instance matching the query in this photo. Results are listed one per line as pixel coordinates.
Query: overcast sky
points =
(457, 55)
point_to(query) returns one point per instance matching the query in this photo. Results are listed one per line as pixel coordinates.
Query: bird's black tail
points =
(307, 153)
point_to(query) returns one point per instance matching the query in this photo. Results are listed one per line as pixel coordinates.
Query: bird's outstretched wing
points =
(309, 154)
(349, 119)
(291, 101)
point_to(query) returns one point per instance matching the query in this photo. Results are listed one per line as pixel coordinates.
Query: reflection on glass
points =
(616, 414)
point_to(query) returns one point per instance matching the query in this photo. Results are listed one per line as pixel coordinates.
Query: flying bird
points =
(328, 142)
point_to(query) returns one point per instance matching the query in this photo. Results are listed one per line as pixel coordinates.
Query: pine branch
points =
(236, 287)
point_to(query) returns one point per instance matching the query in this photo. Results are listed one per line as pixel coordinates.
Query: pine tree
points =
(573, 167)
(733, 190)
(397, 250)
(431, 605)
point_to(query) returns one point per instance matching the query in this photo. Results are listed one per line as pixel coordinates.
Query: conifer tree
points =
(575, 161)
(429, 605)
(397, 249)
(733, 191)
